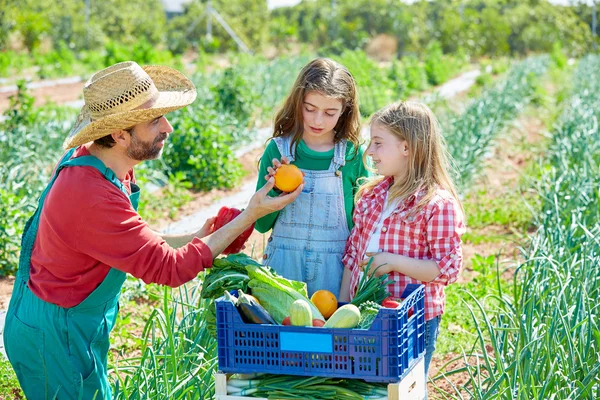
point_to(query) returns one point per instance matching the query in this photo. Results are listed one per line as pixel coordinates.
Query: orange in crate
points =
(325, 301)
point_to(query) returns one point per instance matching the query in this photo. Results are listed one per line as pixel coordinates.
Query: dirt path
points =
(58, 94)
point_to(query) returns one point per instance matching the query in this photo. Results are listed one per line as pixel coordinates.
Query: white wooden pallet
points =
(412, 387)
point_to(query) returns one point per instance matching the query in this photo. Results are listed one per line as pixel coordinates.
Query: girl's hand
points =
(381, 260)
(276, 164)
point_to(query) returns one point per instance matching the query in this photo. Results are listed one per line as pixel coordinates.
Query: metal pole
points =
(233, 35)
(594, 24)
(594, 18)
(87, 21)
(209, 13)
(87, 11)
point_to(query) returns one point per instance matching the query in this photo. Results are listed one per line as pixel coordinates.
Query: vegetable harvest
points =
(276, 294)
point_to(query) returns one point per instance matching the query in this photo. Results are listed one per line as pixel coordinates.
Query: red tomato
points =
(390, 303)
(226, 215)
(286, 321)
(318, 323)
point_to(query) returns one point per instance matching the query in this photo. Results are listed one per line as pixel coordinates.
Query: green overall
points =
(61, 352)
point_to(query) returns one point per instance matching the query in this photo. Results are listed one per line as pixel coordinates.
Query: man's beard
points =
(140, 150)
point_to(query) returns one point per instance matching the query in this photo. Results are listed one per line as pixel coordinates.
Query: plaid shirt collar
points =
(380, 191)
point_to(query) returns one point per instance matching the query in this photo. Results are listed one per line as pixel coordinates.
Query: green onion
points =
(370, 287)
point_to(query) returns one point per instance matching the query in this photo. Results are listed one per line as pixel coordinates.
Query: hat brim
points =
(175, 92)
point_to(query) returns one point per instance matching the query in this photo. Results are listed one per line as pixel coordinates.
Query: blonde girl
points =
(409, 218)
(318, 130)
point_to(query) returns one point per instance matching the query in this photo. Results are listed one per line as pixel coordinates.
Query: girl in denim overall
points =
(409, 219)
(318, 130)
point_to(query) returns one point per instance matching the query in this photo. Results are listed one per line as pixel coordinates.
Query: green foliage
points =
(437, 71)
(9, 385)
(469, 135)
(374, 85)
(457, 324)
(245, 17)
(490, 27)
(58, 62)
(544, 331)
(513, 210)
(178, 355)
(484, 80)
(233, 94)
(415, 74)
(30, 144)
(33, 25)
(20, 110)
(203, 152)
(558, 56)
(126, 21)
(167, 202)
(142, 52)
(12, 214)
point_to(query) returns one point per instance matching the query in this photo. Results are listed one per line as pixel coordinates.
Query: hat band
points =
(142, 92)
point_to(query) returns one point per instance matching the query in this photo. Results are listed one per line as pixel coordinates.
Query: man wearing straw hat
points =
(86, 235)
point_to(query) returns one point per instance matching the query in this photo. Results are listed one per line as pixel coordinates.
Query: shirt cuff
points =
(349, 261)
(449, 266)
(206, 258)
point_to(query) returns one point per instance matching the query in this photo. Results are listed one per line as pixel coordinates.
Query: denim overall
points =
(61, 352)
(309, 236)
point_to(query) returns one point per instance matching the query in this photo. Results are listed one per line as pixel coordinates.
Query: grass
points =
(513, 209)
(457, 327)
(9, 385)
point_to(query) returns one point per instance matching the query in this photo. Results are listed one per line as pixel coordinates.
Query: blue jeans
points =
(431, 334)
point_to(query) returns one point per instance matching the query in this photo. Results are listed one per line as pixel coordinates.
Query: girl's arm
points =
(444, 229)
(422, 270)
(351, 259)
(345, 288)
(265, 223)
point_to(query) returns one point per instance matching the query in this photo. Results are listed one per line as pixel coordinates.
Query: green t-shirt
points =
(314, 161)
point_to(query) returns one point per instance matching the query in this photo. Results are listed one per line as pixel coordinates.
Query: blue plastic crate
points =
(383, 353)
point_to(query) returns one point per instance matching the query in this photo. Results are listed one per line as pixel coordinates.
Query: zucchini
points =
(347, 316)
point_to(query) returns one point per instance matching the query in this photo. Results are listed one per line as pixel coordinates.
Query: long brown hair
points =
(331, 79)
(428, 164)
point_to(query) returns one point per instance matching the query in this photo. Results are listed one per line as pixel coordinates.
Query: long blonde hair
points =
(331, 79)
(428, 164)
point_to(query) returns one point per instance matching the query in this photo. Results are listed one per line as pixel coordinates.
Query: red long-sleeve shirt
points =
(87, 226)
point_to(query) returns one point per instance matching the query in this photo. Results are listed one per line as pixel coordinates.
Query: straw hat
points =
(113, 95)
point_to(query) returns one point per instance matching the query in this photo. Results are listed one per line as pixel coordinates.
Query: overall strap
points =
(91, 161)
(339, 155)
(283, 145)
(31, 227)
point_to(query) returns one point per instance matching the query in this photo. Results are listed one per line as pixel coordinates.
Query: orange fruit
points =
(325, 301)
(288, 177)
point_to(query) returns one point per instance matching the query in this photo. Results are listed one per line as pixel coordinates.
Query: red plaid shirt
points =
(432, 234)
